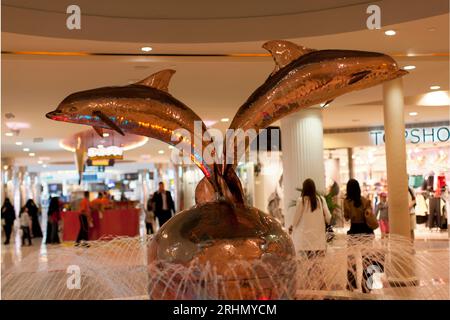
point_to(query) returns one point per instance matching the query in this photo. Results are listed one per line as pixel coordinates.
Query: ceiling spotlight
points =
(161, 151)
(9, 134)
(171, 147)
(224, 120)
(105, 135)
(413, 114)
(44, 166)
(390, 32)
(40, 162)
(146, 49)
(435, 87)
(31, 154)
(26, 149)
(5, 167)
(409, 67)
(435, 99)
(19, 143)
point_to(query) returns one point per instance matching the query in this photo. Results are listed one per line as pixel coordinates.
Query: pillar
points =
(397, 177)
(400, 268)
(302, 155)
(351, 174)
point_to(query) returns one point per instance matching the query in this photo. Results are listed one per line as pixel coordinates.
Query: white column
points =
(302, 154)
(397, 177)
(400, 268)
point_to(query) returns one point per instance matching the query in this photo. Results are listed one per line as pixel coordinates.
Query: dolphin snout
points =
(51, 115)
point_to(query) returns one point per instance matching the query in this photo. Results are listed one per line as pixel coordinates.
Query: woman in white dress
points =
(308, 227)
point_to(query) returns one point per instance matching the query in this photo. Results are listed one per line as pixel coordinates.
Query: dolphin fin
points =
(98, 130)
(108, 121)
(284, 52)
(159, 80)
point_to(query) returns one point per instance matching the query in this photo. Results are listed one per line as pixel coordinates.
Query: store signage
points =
(111, 152)
(417, 135)
(100, 163)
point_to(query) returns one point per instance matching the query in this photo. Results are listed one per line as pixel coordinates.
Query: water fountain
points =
(220, 248)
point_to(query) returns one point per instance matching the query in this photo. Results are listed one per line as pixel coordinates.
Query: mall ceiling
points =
(214, 86)
(206, 21)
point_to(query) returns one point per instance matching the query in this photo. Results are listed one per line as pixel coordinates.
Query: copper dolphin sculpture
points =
(304, 77)
(143, 108)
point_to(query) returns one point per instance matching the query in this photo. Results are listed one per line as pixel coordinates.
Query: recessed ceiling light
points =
(5, 167)
(409, 67)
(435, 99)
(9, 134)
(44, 166)
(105, 134)
(413, 114)
(146, 49)
(224, 120)
(435, 87)
(19, 143)
(26, 149)
(161, 151)
(40, 162)
(171, 147)
(31, 154)
(390, 32)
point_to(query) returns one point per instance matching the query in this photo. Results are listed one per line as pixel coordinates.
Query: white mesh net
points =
(352, 268)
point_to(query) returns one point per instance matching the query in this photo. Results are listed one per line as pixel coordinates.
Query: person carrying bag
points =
(363, 222)
(309, 223)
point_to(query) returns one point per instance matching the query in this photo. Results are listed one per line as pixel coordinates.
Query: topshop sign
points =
(417, 135)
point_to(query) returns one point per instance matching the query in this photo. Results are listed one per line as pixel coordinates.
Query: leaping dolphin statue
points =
(144, 108)
(304, 77)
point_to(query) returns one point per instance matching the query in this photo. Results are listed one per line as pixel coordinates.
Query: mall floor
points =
(430, 246)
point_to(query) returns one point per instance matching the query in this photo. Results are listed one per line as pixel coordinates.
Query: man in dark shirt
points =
(163, 204)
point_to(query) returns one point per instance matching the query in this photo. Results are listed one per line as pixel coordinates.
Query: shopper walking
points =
(54, 216)
(8, 217)
(85, 220)
(309, 223)
(163, 204)
(33, 211)
(358, 210)
(382, 214)
(25, 225)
